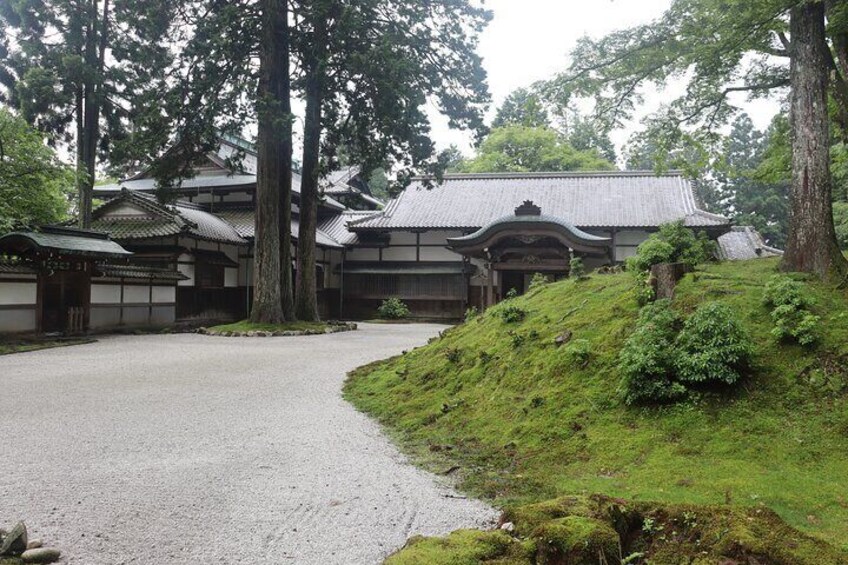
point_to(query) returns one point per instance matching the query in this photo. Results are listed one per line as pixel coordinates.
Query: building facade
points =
(440, 247)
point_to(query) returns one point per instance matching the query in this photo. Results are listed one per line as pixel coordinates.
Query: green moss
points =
(463, 547)
(576, 540)
(526, 424)
(22, 346)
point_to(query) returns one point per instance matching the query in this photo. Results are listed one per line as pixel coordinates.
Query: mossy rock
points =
(576, 540)
(528, 518)
(464, 547)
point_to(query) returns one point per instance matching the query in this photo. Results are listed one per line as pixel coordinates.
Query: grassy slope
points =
(531, 423)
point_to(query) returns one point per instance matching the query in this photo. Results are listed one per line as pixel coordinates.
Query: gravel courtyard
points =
(195, 449)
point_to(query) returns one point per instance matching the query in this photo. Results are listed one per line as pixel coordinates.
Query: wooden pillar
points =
(490, 298)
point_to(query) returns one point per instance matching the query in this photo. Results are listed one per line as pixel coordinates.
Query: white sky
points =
(530, 40)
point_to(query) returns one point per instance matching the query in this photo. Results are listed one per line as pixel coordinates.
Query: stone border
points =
(332, 328)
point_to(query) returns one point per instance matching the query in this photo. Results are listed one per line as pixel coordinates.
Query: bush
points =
(471, 313)
(393, 309)
(576, 269)
(660, 361)
(538, 281)
(511, 314)
(674, 243)
(790, 304)
(579, 352)
(648, 357)
(840, 220)
(712, 348)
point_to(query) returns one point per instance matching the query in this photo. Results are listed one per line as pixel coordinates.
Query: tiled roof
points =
(242, 219)
(63, 240)
(138, 272)
(336, 226)
(744, 242)
(162, 220)
(586, 200)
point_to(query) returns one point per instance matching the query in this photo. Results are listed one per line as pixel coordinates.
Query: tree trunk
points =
(267, 304)
(307, 288)
(282, 90)
(811, 246)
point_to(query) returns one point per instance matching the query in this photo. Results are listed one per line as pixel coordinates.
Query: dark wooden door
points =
(62, 291)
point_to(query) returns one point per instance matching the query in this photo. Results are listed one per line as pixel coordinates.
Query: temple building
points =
(440, 247)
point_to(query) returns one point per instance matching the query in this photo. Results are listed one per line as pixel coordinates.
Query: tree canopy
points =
(34, 185)
(523, 107)
(521, 149)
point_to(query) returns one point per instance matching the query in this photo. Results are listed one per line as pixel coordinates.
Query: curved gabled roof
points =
(64, 241)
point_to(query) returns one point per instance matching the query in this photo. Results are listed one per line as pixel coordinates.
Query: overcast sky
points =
(529, 40)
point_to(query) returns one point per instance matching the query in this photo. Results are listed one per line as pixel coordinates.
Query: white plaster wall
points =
(631, 237)
(363, 254)
(403, 238)
(134, 294)
(18, 321)
(245, 272)
(18, 293)
(105, 293)
(187, 270)
(208, 245)
(164, 295)
(438, 237)
(238, 197)
(622, 253)
(231, 277)
(332, 278)
(399, 254)
(126, 210)
(439, 254)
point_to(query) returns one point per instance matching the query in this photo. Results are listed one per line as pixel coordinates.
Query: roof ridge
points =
(552, 174)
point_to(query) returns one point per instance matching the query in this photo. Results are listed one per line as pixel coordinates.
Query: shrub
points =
(511, 314)
(790, 304)
(645, 292)
(648, 357)
(576, 268)
(393, 309)
(512, 293)
(579, 352)
(517, 339)
(672, 244)
(538, 281)
(650, 252)
(453, 354)
(713, 347)
(471, 313)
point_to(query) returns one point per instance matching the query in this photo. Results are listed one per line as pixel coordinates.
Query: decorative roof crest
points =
(528, 209)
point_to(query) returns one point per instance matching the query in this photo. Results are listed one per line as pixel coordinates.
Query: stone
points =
(665, 276)
(41, 555)
(508, 526)
(35, 544)
(15, 542)
(563, 338)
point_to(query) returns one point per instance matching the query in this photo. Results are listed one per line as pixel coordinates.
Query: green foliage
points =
(579, 352)
(518, 148)
(453, 355)
(647, 360)
(471, 313)
(393, 309)
(790, 304)
(660, 361)
(522, 107)
(511, 313)
(538, 280)
(713, 347)
(576, 268)
(650, 252)
(674, 243)
(34, 185)
(840, 220)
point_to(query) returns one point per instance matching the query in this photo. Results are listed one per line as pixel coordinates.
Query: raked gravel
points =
(195, 449)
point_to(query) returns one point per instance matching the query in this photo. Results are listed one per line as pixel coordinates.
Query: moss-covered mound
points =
(601, 530)
(524, 404)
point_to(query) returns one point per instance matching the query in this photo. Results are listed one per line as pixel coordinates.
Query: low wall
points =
(18, 301)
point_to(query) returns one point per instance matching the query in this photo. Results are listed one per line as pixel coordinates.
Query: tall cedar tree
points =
(368, 70)
(87, 71)
(739, 46)
(273, 78)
